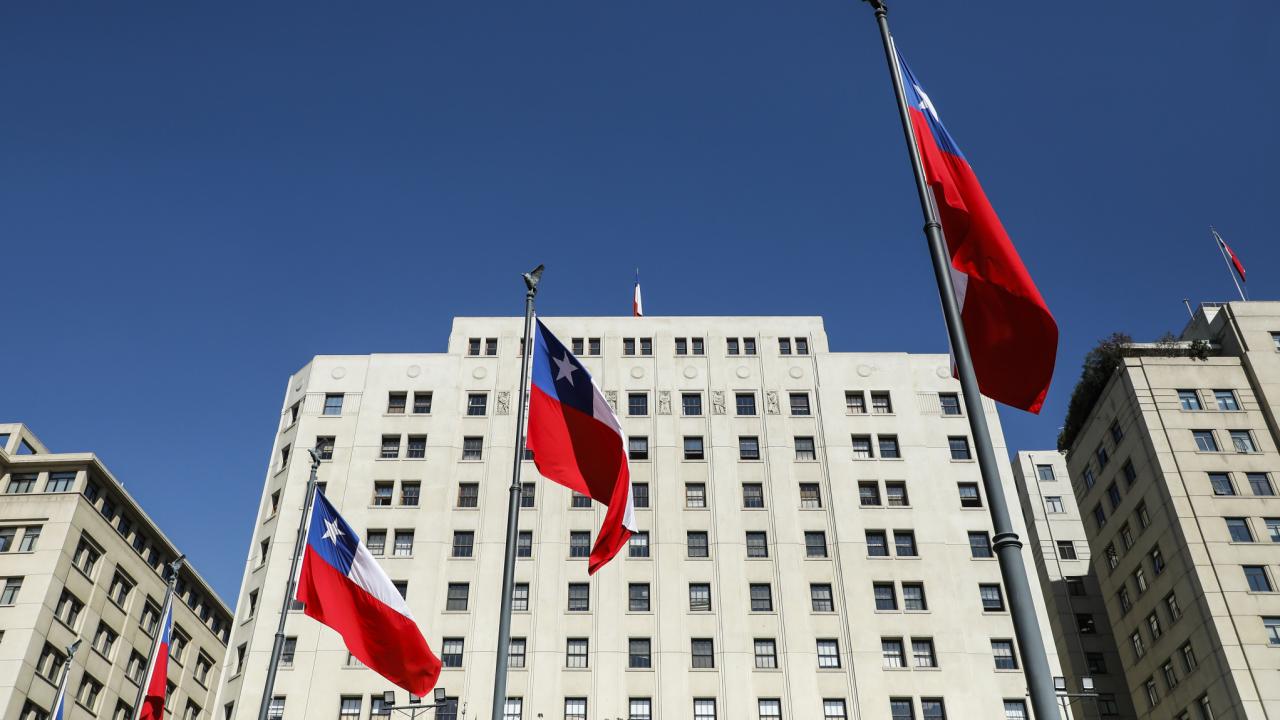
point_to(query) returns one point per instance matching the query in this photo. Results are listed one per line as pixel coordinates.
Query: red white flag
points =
(637, 307)
(1235, 261)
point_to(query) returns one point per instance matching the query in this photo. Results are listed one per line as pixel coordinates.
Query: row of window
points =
(591, 346)
(1241, 441)
(26, 542)
(23, 483)
(350, 707)
(1240, 529)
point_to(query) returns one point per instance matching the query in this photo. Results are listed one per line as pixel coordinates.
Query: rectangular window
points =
(810, 496)
(696, 542)
(1242, 441)
(1238, 528)
(828, 653)
(745, 404)
(638, 597)
(757, 545)
(640, 494)
(520, 597)
(579, 597)
(524, 544)
(1206, 441)
(513, 709)
(695, 496)
(885, 596)
(877, 543)
(468, 495)
(21, 484)
(1004, 656)
(992, 597)
(868, 494)
(396, 403)
(800, 403)
(516, 652)
(682, 346)
(1271, 626)
(458, 596)
(766, 651)
(1256, 576)
(889, 447)
(390, 447)
(770, 708)
(1067, 549)
(699, 597)
(410, 490)
(1273, 529)
(693, 449)
(904, 543)
(1189, 400)
(703, 651)
(913, 597)
(901, 709)
(579, 544)
(638, 404)
(892, 653)
(1015, 710)
(472, 448)
(880, 404)
(752, 495)
(576, 653)
(855, 403)
(464, 542)
(422, 403)
(638, 448)
(638, 545)
(691, 404)
(60, 482)
(9, 595)
(383, 491)
(1260, 484)
(1221, 483)
(640, 653)
(761, 597)
(784, 346)
(980, 545)
(805, 449)
(959, 448)
(748, 346)
(969, 497)
(1053, 504)
(477, 404)
(748, 447)
(862, 447)
(578, 501)
(950, 403)
(895, 492)
(1226, 399)
(821, 598)
(815, 544)
(451, 652)
(1130, 473)
(333, 404)
(697, 345)
(922, 653)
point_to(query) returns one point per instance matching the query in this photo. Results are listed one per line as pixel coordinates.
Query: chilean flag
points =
(1235, 261)
(156, 679)
(1012, 336)
(577, 441)
(343, 587)
(637, 307)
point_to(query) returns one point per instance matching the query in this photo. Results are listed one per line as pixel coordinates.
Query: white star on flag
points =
(566, 368)
(332, 531)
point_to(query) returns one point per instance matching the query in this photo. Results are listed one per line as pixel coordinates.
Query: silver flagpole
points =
(170, 587)
(1008, 547)
(1222, 248)
(298, 543)
(61, 697)
(531, 280)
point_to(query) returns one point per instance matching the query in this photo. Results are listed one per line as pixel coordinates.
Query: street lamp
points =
(413, 708)
(1066, 698)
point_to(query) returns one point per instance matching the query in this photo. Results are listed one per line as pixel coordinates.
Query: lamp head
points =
(389, 697)
(439, 695)
(1059, 683)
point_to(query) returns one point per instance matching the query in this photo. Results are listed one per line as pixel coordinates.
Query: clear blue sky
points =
(194, 200)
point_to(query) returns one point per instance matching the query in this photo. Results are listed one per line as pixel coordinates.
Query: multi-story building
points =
(815, 541)
(1175, 469)
(80, 559)
(1091, 663)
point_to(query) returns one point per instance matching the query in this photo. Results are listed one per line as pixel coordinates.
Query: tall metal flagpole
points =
(60, 701)
(170, 586)
(531, 280)
(1007, 546)
(1222, 248)
(298, 543)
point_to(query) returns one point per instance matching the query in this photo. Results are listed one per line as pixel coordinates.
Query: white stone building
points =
(816, 540)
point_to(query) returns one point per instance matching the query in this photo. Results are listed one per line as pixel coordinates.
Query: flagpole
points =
(531, 280)
(298, 544)
(170, 586)
(1007, 546)
(1222, 248)
(59, 701)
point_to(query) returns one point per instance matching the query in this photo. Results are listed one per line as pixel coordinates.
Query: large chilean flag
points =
(577, 441)
(343, 587)
(156, 679)
(1012, 336)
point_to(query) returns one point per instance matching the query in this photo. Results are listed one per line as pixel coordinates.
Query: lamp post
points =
(1066, 698)
(412, 709)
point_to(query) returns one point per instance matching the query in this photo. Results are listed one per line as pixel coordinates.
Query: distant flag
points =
(59, 711)
(1229, 253)
(1013, 337)
(577, 441)
(156, 679)
(342, 586)
(637, 307)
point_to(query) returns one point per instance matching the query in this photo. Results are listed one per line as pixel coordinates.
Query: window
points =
(520, 597)
(980, 545)
(904, 543)
(693, 447)
(805, 449)
(451, 652)
(639, 653)
(932, 709)
(104, 639)
(1140, 579)
(469, 495)
(761, 597)
(516, 652)
(892, 653)
(89, 691)
(885, 595)
(1260, 483)
(748, 447)
(579, 543)
(1257, 577)
(1135, 641)
(923, 654)
(752, 495)
(1189, 400)
(695, 496)
(1153, 694)
(287, 651)
(524, 544)
(1130, 473)
(333, 404)
(1045, 473)
(877, 543)
(815, 544)
(1226, 400)
(638, 545)
(1221, 483)
(20, 484)
(463, 543)
(579, 597)
(121, 586)
(640, 709)
(1242, 441)
(896, 493)
(862, 447)
(1271, 625)
(745, 404)
(1126, 602)
(1273, 529)
(834, 710)
(579, 346)
(757, 545)
(1067, 550)
(699, 597)
(472, 448)
(60, 482)
(697, 346)
(810, 496)
(913, 597)
(579, 501)
(349, 707)
(820, 597)
(1103, 457)
(1113, 494)
(1144, 518)
(638, 597)
(959, 448)
(969, 497)
(422, 403)
(901, 709)
(382, 493)
(1153, 624)
(1117, 434)
(1189, 662)
(770, 709)
(1015, 710)
(855, 402)
(880, 404)
(576, 653)
(1205, 440)
(637, 404)
(1003, 652)
(30, 535)
(766, 650)
(868, 494)
(513, 709)
(828, 653)
(784, 346)
(1053, 504)
(68, 609)
(1171, 604)
(458, 596)
(703, 653)
(992, 597)
(396, 402)
(696, 542)
(889, 447)
(704, 709)
(731, 346)
(800, 403)
(1238, 528)
(638, 448)
(691, 404)
(390, 447)
(950, 403)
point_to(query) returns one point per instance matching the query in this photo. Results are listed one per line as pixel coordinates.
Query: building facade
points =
(80, 559)
(815, 538)
(1087, 649)
(1175, 471)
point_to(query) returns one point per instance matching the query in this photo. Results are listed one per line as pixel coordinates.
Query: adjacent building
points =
(1175, 471)
(80, 559)
(815, 540)
(1091, 663)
